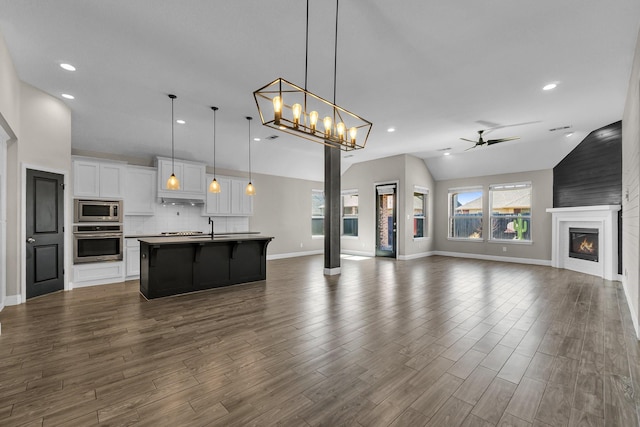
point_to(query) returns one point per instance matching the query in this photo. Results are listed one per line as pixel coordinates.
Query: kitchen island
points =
(177, 265)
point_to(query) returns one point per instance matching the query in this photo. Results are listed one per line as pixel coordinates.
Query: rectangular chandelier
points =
(287, 107)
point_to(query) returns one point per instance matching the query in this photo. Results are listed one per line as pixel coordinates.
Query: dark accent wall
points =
(592, 174)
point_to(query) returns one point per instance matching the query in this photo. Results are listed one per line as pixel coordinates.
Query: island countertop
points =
(181, 240)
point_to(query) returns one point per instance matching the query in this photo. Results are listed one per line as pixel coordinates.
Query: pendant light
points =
(297, 111)
(214, 187)
(250, 190)
(172, 182)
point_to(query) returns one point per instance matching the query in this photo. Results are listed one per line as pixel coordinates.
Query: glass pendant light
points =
(214, 186)
(172, 182)
(250, 190)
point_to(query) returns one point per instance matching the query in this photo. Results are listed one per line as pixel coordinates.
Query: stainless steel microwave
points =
(97, 210)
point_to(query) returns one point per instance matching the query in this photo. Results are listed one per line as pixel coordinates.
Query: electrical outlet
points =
(301, 244)
(504, 249)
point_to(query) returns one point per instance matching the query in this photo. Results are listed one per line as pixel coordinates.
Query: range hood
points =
(174, 201)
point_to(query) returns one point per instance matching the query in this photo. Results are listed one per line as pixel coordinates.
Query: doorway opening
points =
(386, 220)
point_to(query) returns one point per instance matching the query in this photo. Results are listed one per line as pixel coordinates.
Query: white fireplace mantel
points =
(605, 219)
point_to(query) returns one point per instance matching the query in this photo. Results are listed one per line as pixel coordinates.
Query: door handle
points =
(31, 240)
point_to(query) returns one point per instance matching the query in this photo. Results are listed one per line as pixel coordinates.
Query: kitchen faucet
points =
(211, 222)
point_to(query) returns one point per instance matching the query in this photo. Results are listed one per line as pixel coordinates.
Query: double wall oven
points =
(97, 232)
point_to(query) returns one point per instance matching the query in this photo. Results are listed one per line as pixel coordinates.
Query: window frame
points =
(425, 204)
(343, 193)
(528, 217)
(451, 216)
(316, 217)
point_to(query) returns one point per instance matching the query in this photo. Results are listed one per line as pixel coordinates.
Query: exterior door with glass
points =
(386, 222)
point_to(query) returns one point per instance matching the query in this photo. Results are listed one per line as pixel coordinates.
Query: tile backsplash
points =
(182, 218)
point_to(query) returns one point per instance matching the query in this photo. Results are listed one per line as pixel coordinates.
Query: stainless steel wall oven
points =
(96, 243)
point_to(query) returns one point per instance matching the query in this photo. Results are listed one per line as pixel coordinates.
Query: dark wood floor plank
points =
(437, 341)
(494, 401)
(526, 399)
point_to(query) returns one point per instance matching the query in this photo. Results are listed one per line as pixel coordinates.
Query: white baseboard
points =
(543, 262)
(294, 254)
(13, 300)
(634, 315)
(415, 256)
(77, 285)
(331, 271)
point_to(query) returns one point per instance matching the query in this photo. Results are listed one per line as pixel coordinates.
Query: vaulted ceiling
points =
(435, 71)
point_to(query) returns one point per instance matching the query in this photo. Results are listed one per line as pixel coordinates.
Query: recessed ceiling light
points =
(550, 86)
(67, 67)
(256, 139)
(392, 129)
(447, 153)
(180, 122)
(568, 134)
(67, 96)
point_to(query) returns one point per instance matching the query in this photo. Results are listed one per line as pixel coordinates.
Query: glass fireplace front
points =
(583, 243)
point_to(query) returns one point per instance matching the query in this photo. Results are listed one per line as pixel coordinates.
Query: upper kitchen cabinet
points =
(140, 191)
(241, 204)
(190, 174)
(98, 179)
(231, 200)
(218, 203)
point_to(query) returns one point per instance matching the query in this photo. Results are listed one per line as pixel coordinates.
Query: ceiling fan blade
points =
(469, 140)
(495, 141)
(491, 129)
(473, 146)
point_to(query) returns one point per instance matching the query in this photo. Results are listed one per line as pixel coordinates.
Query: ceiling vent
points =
(560, 128)
(272, 137)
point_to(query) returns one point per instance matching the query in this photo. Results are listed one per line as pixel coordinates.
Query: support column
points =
(331, 210)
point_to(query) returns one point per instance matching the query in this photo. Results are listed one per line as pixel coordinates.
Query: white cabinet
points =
(98, 179)
(231, 201)
(140, 191)
(97, 273)
(218, 203)
(241, 204)
(190, 174)
(132, 258)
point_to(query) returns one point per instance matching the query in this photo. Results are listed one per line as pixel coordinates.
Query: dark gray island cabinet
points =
(177, 265)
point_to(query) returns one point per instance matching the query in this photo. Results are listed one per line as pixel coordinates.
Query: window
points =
(420, 212)
(317, 213)
(510, 211)
(465, 213)
(350, 213)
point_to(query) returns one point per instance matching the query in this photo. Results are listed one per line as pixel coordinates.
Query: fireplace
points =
(578, 231)
(583, 243)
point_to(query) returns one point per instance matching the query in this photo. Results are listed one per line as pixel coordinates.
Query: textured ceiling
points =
(436, 71)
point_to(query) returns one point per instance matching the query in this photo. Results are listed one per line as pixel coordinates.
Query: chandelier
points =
(292, 109)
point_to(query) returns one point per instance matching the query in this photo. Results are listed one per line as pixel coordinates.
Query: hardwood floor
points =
(436, 341)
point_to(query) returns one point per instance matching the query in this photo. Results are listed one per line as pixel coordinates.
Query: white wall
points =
(542, 198)
(40, 128)
(631, 192)
(407, 171)
(9, 122)
(44, 143)
(282, 209)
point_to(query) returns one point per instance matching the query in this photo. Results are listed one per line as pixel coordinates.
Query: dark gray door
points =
(45, 233)
(386, 206)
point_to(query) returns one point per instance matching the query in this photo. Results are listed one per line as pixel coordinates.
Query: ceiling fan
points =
(481, 141)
